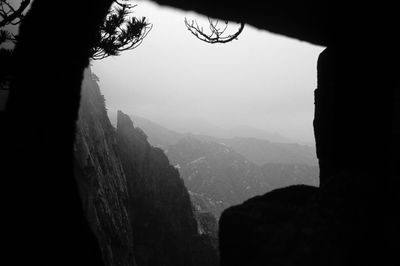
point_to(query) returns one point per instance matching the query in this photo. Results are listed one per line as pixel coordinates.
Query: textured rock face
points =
(135, 201)
(160, 209)
(101, 179)
(207, 214)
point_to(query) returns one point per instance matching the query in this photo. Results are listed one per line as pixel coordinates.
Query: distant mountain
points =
(252, 132)
(258, 151)
(221, 177)
(200, 126)
(262, 151)
(283, 175)
(216, 171)
(158, 136)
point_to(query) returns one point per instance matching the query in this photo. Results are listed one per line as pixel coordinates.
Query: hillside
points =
(224, 177)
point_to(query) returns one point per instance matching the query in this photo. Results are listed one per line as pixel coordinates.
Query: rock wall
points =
(163, 221)
(135, 201)
(351, 219)
(101, 179)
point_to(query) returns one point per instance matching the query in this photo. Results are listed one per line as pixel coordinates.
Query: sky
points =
(261, 80)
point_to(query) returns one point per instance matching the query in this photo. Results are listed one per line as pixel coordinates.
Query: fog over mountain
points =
(201, 127)
(260, 84)
(258, 150)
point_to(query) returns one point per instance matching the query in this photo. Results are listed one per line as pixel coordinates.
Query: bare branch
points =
(11, 15)
(216, 34)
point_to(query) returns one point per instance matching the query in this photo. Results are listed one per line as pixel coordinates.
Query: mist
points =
(261, 81)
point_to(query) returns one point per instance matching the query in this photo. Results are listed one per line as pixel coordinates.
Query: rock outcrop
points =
(163, 222)
(135, 201)
(101, 178)
(261, 231)
(351, 219)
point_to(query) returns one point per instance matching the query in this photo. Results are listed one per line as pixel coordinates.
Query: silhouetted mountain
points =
(135, 200)
(223, 177)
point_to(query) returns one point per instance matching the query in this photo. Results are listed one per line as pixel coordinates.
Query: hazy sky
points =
(260, 80)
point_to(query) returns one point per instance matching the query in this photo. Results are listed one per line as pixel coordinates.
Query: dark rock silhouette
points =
(342, 222)
(47, 224)
(163, 222)
(260, 231)
(42, 203)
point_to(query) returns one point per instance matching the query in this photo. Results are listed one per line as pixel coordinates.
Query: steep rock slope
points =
(135, 201)
(163, 221)
(158, 136)
(206, 211)
(101, 179)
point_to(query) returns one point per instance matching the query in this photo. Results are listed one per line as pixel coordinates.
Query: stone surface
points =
(134, 200)
(101, 179)
(163, 221)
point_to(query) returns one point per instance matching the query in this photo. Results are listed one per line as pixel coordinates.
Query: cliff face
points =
(135, 201)
(160, 209)
(101, 179)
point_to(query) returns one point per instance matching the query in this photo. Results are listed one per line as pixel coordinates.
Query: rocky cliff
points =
(134, 199)
(101, 179)
(163, 221)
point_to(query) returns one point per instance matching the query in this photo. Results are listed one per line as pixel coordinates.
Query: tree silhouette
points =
(217, 30)
(119, 32)
(11, 15)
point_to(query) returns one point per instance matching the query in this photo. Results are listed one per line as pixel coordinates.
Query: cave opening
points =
(351, 220)
(234, 119)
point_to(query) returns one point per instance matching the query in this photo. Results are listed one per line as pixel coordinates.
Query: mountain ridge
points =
(259, 151)
(223, 177)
